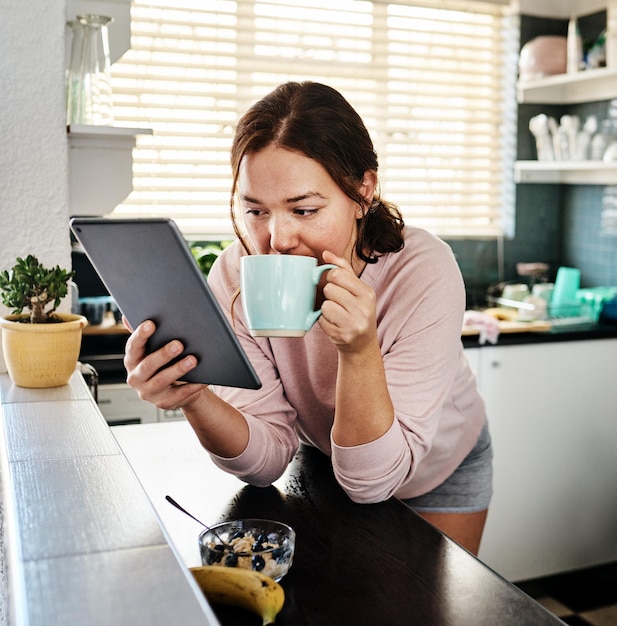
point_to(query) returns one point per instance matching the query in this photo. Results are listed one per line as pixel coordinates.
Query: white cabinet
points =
(100, 167)
(120, 404)
(101, 157)
(552, 410)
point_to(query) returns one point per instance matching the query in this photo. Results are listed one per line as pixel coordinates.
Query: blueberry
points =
(237, 535)
(213, 556)
(231, 560)
(262, 538)
(257, 547)
(258, 563)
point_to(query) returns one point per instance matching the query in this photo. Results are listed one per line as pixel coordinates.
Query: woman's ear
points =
(368, 185)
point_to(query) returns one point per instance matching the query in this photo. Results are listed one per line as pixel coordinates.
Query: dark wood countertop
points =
(118, 334)
(580, 332)
(360, 564)
(103, 347)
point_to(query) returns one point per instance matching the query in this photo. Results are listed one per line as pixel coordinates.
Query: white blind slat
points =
(432, 79)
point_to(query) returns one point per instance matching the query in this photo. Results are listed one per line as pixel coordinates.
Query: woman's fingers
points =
(126, 324)
(135, 348)
(349, 307)
(156, 376)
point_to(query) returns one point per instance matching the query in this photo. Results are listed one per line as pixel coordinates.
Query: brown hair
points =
(317, 121)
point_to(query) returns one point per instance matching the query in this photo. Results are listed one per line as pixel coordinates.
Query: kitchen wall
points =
(33, 150)
(587, 243)
(554, 224)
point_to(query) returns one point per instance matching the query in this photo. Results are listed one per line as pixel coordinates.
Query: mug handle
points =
(317, 272)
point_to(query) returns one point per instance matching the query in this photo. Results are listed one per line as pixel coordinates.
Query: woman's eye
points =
(305, 212)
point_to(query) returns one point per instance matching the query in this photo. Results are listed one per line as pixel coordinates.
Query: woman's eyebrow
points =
(306, 196)
(301, 197)
(248, 199)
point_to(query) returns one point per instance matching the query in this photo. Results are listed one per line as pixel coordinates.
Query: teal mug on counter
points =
(563, 299)
(278, 293)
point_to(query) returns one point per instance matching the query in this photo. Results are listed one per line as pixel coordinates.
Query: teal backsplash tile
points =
(587, 244)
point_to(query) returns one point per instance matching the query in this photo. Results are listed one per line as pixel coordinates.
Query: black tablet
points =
(149, 270)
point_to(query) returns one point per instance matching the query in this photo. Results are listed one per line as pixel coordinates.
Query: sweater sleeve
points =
(271, 419)
(438, 411)
(421, 305)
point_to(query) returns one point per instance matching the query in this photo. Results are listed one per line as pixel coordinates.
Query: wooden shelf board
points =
(568, 172)
(586, 86)
(106, 131)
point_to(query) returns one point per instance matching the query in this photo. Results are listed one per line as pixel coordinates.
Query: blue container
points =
(563, 301)
(94, 308)
(594, 299)
(609, 311)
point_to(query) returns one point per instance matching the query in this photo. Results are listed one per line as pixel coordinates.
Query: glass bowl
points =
(261, 545)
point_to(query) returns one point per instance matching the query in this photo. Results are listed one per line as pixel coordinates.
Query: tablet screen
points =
(148, 268)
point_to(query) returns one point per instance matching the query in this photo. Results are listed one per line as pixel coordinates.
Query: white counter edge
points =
(18, 455)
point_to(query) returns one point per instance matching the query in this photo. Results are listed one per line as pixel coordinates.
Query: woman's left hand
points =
(348, 311)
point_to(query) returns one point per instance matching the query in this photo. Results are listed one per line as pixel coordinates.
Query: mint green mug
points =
(278, 293)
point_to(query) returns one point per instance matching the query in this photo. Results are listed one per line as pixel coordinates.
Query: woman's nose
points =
(283, 236)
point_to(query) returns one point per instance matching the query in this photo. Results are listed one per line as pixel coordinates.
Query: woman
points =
(380, 383)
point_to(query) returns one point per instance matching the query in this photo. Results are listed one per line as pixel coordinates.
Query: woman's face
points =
(291, 205)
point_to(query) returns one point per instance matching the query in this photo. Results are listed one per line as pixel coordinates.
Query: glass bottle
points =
(72, 72)
(89, 94)
(574, 47)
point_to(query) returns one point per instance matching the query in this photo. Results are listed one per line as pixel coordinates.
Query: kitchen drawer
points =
(170, 415)
(120, 403)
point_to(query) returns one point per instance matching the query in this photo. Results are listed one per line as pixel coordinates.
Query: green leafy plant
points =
(30, 285)
(205, 255)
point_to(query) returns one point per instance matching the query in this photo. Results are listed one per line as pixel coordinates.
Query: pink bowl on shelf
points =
(543, 56)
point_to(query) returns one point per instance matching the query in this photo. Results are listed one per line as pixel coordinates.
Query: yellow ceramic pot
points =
(41, 355)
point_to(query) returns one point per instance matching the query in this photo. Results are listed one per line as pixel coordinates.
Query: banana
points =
(241, 587)
(506, 315)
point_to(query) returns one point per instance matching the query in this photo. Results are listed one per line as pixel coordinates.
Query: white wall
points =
(34, 205)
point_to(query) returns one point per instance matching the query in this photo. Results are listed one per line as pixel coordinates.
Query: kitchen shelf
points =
(86, 130)
(566, 172)
(585, 86)
(100, 167)
(561, 9)
(102, 329)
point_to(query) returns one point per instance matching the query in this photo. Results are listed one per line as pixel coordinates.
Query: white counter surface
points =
(83, 543)
(167, 459)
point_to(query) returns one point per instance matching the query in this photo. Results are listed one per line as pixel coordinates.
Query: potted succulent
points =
(41, 347)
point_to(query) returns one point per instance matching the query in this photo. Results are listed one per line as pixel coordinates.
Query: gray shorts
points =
(468, 489)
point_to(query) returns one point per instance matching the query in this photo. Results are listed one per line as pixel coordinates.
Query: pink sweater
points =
(439, 413)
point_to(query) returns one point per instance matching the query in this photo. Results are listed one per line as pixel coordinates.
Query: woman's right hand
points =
(154, 376)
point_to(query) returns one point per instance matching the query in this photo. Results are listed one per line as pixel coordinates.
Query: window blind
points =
(434, 81)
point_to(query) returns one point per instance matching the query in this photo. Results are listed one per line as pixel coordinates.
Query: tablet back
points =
(148, 268)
